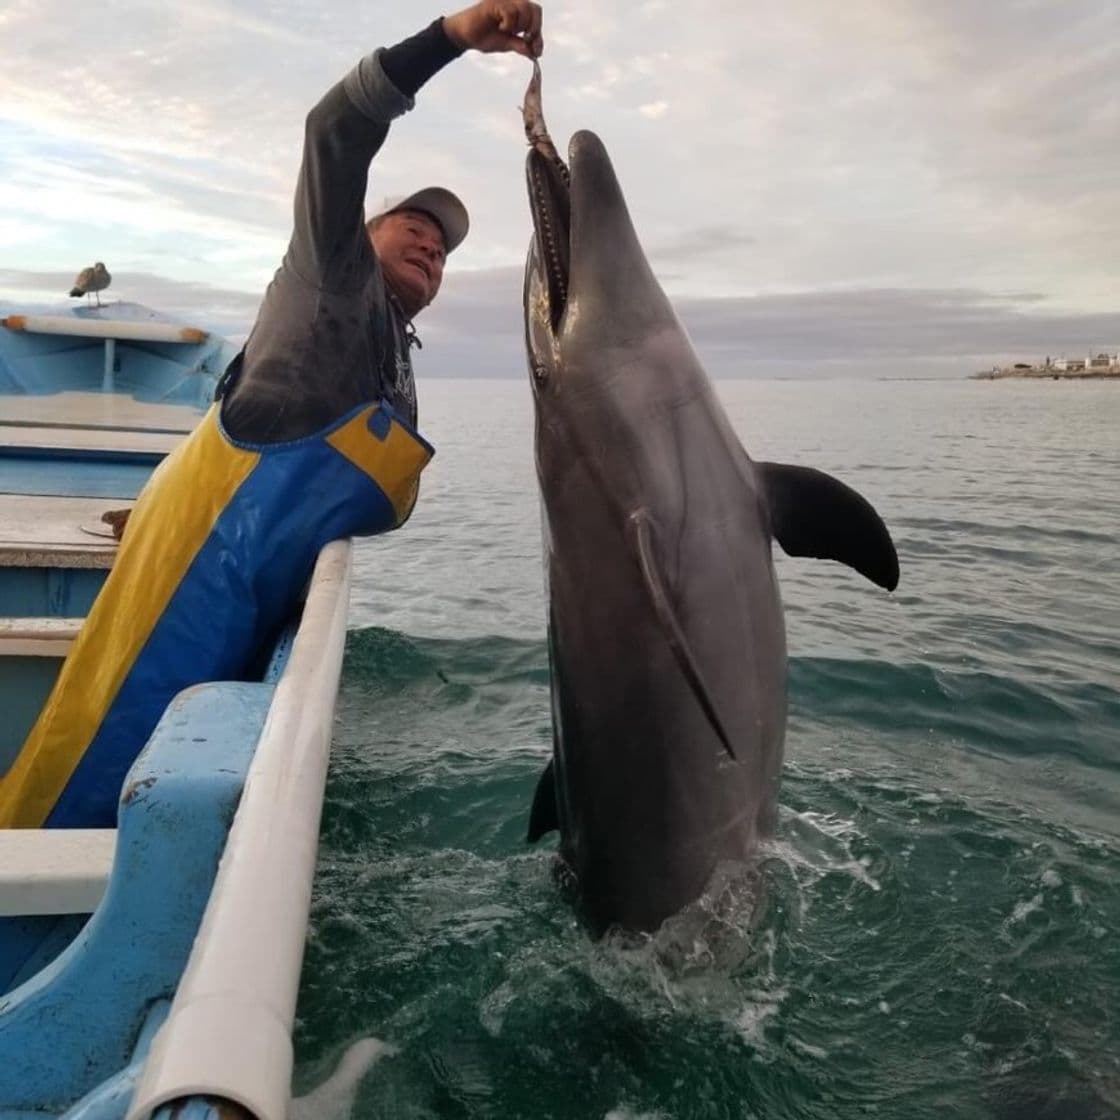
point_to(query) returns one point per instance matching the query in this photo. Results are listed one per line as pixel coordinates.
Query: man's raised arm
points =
(347, 128)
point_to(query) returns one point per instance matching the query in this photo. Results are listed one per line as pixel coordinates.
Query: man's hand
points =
(497, 25)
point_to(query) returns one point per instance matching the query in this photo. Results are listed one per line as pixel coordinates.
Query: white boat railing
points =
(111, 330)
(119, 329)
(228, 1035)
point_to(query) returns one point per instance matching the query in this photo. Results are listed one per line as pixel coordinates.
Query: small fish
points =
(535, 129)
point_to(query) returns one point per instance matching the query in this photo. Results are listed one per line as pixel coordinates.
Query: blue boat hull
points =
(85, 990)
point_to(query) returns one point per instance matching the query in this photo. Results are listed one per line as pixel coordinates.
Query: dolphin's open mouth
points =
(549, 185)
(550, 203)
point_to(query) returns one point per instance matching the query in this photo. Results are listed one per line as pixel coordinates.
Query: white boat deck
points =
(58, 440)
(91, 423)
(37, 637)
(54, 871)
(49, 532)
(67, 532)
(96, 410)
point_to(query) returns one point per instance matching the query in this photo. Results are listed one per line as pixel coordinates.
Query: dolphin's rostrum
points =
(666, 636)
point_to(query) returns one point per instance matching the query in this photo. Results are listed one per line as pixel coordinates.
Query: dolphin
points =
(666, 638)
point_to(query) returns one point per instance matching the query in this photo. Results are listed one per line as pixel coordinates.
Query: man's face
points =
(409, 245)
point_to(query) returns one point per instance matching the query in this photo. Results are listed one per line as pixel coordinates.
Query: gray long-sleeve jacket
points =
(329, 335)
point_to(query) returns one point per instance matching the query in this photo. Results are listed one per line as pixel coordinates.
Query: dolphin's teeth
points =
(549, 238)
(548, 182)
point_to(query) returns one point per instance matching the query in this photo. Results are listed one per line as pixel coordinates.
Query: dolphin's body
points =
(666, 635)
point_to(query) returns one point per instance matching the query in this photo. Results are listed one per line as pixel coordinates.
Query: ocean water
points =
(940, 927)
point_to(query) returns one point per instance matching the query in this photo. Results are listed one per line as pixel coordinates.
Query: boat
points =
(150, 969)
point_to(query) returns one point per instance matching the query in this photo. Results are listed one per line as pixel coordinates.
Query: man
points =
(314, 439)
(334, 328)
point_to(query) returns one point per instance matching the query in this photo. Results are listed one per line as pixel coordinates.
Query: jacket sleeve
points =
(342, 135)
(329, 248)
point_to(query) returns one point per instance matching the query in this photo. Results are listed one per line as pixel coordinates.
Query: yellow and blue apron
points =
(218, 548)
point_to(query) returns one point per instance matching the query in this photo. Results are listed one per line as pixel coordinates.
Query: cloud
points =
(698, 244)
(228, 311)
(474, 329)
(875, 145)
(889, 331)
(880, 142)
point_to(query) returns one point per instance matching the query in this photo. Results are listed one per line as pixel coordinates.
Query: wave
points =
(976, 706)
(987, 709)
(955, 527)
(389, 658)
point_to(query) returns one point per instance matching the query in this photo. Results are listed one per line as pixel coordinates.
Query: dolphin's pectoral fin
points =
(543, 817)
(814, 514)
(663, 608)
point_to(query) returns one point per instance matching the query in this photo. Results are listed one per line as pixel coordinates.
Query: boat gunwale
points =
(228, 1034)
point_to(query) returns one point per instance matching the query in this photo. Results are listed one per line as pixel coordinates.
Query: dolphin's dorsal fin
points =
(814, 514)
(543, 817)
(663, 608)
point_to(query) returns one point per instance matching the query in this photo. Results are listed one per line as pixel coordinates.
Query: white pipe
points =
(228, 1034)
(104, 328)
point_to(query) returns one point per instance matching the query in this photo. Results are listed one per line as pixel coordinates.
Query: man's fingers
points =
(509, 18)
(506, 25)
(536, 20)
(520, 18)
(532, 30)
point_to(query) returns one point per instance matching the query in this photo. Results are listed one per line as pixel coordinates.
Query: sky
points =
(866, 188)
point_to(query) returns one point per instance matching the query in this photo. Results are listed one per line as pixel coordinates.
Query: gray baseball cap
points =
(450, 214)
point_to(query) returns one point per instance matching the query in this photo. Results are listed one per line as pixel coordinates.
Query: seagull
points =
(93, 280)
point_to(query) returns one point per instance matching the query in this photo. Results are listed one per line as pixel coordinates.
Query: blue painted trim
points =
(281, 652)
(25, 684)
(49, 592)
(72, 480)
(75, 1024)
(71, 426)
(81, 454)
(110, 1100)
(29, 943)
(197, 1108)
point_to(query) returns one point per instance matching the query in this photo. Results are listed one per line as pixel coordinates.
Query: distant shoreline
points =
(1042, 373)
